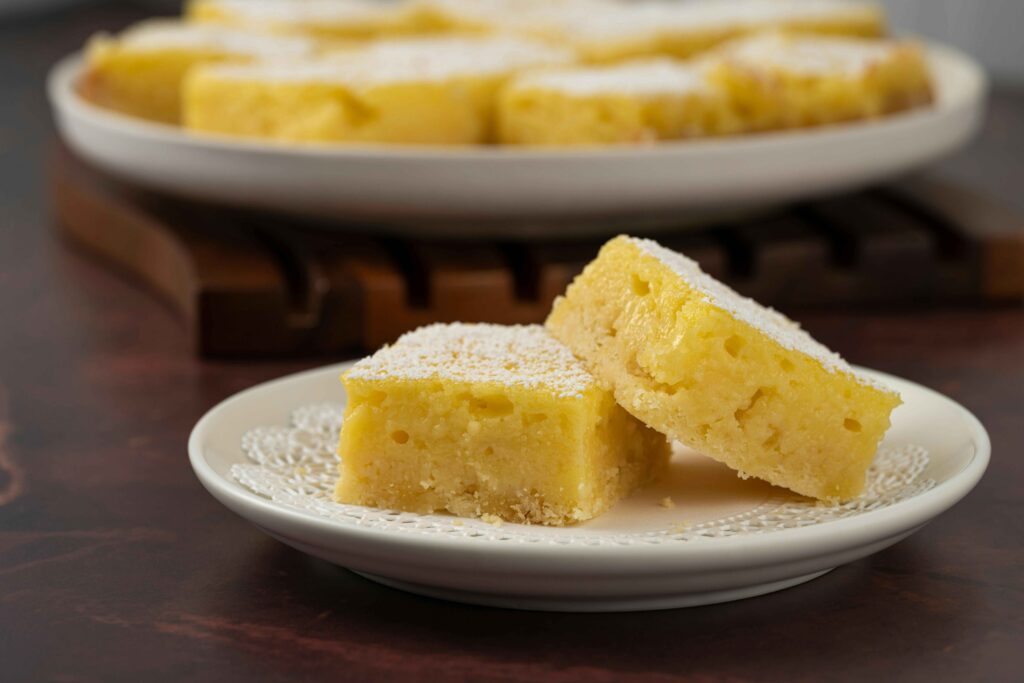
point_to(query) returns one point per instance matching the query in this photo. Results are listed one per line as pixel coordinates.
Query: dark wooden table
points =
(116, 565)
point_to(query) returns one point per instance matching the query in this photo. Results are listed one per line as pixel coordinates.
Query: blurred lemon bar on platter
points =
(537, 18)
(734, 380)
(685, 29)
(790, 81)
(630, 102)
(140, 71)
(489, 421)
(413, 91)
(322, 19)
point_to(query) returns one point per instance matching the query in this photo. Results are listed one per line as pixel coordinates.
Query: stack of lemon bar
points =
(554, 424)
(509, 72)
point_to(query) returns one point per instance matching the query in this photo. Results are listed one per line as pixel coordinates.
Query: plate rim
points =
(736, 551)
(66, 102)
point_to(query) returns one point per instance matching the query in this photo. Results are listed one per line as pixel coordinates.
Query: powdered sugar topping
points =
(809, 55)
(644, 77)
(169, 34)
(287, 12)
(768, 321)
(448, 56)
(756, 13)
(536, 15)
(509, 355)
(414, 59)
(656, 16)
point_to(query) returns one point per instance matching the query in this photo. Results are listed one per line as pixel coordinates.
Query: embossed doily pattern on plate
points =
(296, 467)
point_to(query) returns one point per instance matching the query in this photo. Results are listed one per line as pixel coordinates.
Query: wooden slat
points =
(998, 230)
(252, 283)
(704, 248)
(218, 281)
(790, 263)
(893, 256)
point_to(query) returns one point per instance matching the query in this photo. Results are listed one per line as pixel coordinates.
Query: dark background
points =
(116, 565)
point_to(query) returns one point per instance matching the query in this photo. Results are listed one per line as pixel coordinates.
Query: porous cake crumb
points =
(764, 319)
(489, 421)
(732, 379)
(493, 520)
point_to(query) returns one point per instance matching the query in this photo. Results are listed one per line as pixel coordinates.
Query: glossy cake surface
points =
(724, 375)
(413, 91)
(489, 420)
(640, 101)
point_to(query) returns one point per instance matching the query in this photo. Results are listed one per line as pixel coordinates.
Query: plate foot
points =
(593, 604)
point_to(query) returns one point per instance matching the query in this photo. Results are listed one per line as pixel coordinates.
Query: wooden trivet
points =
(255, 284)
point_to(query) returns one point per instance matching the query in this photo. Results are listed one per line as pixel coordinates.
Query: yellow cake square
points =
(732, 379)
(488, 420)
(631, 102)
(321, 19)
(685, 29)
(411, 91)
(791, 81)
(140, 71)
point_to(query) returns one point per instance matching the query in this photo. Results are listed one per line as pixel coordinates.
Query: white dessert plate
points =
(483, 187)
(268, 454)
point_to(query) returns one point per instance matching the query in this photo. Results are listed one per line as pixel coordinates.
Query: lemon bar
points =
(791, 81)
(631, 102)
(322, 19)
(685, 29)
(488, 420)
(412, 91)
(140, 71)
(732, 379)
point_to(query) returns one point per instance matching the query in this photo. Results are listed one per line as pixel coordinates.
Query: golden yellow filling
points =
(486, 420)
(784, 64)
(323, 111)
(142, 84)
(736, 381)
(416, 91)
(644, 101)
(787, 81)
(141, 71)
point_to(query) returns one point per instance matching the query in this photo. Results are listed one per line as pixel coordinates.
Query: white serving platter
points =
(484, 187)
(268, 455)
